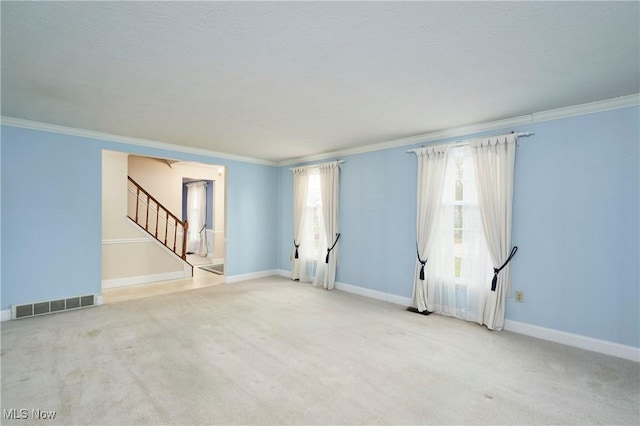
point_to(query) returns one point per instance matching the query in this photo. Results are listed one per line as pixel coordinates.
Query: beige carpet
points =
(273, 351)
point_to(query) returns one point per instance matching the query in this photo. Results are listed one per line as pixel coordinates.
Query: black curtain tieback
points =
(494, 282)
(423, 262)
(296, 246)
(326, 260)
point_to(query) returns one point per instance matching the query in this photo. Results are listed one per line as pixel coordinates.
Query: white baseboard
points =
(374, 294)
(576, 340)
(143, 279)
(583, 342)
(10, 314)
(284, 273)
(251, 276)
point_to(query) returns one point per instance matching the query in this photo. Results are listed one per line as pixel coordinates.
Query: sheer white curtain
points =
(458, 267)
(329, 190)
(312, 229)
(196, 215)
(307, 213)
(495, 162)
(202, 247)
(300, 191)
(432, 162)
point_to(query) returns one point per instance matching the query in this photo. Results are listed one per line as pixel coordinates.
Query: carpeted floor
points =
(272, 351)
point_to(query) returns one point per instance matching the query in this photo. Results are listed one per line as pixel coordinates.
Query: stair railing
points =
(162, 214)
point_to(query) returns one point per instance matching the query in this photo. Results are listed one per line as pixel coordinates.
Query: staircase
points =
(156, 220)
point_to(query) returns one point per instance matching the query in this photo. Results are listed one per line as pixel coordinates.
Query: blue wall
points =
(51, 217)
(576, 220)
(209, 204)
(51, 206)
(576, 214)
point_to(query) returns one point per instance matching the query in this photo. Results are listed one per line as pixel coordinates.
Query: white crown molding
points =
(72, 131)
(588, 108)
(523, 120)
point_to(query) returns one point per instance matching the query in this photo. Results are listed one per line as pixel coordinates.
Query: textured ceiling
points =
(281, 80)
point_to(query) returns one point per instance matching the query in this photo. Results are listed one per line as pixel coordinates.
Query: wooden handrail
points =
(184, 239)
(177, 222)
(155, 201)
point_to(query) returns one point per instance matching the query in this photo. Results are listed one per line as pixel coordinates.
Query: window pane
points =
(316, 228)
(458, 217)
(459, 178)
(459, 192)
(314, 205)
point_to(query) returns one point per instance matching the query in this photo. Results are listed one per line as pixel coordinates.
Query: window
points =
(462, 200)
(313, 214)
(196, 215)
(313, 186)
(459, 263)
(311, 239)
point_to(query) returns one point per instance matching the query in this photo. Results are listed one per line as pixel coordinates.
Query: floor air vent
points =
(52, 306)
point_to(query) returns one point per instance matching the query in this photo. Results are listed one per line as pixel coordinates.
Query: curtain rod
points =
(315, 165)
(466, 141)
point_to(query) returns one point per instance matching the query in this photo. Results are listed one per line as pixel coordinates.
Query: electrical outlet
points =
(520, 296)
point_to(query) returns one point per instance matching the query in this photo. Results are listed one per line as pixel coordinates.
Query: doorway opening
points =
(202, 210)
(134, 261)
